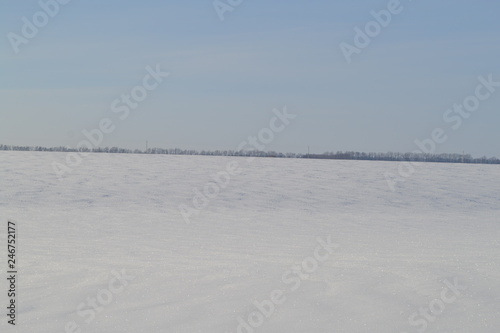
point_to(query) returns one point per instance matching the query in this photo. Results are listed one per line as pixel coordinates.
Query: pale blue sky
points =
(227, 76)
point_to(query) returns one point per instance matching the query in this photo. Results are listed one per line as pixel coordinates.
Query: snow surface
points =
(396, 250)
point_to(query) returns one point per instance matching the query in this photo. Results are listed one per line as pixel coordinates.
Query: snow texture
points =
(398, 252)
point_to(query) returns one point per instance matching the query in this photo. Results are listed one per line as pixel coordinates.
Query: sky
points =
(229, 67)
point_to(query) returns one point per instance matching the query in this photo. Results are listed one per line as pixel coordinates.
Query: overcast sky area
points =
(226, 76)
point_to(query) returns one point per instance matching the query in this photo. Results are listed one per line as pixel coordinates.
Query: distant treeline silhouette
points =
(340, 155)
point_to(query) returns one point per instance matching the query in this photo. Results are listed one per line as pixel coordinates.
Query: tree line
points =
(339, 155)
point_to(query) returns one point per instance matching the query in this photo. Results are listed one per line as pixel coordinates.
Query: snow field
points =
(397, 255)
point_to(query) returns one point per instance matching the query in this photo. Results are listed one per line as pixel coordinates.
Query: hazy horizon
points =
(149, 147)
